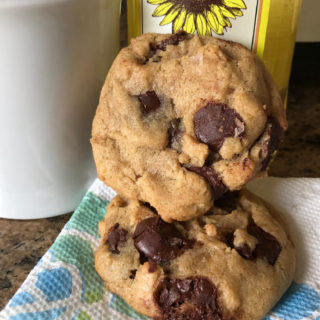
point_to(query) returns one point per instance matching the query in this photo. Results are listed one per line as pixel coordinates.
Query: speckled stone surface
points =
(23, 243)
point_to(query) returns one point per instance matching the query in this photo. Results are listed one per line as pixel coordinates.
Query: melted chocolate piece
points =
(149, 102)
(133, 274)
(189, 298)
(159, 241)
(162, 45)
(228, 239)
(245, 252)
(152, 267)
(172, 40)
(215, 122)
(217, 186)
(116, 236)
(212, 158)
(228, 202)
(175, 135)
(267, 248)
(275, 136)
(142, 258)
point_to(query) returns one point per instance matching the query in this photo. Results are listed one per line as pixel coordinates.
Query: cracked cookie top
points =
(182, 120)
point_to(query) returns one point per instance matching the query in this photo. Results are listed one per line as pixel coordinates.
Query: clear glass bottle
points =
(267, 27)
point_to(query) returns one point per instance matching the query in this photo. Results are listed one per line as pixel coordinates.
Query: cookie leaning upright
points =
(235, 262)
(183, 119)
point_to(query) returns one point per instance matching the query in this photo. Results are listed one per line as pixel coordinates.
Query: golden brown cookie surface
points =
(235, 262)
(183, 119)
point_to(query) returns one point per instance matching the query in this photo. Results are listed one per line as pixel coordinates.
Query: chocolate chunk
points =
(149, 102)
(215, 122)
(184, 285)
(133, 274)
(212, 158)
(189, 298)
(159, 241)
(228, 202)
(217, 186)
(174, 40)
(228, 239)
(267, 248)
(142, 258)
(116, 236)
(152, 267)
(245, 252)
(175, 134)
(275, 136)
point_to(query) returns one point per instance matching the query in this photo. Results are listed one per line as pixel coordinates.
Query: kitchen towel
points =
(64, 284)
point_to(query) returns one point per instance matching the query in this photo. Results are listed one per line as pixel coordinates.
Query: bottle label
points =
(243, 21)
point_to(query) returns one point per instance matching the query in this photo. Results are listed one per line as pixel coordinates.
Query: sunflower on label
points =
(204, 17)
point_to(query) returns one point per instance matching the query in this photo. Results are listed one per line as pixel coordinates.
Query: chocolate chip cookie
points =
(234, 262)
(183, 119)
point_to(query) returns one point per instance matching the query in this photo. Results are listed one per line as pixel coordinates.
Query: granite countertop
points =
(23, 243)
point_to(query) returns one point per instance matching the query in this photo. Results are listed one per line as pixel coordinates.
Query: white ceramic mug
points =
(54, 56)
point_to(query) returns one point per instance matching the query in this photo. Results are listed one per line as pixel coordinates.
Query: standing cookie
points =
(184, 119)
(235, 262)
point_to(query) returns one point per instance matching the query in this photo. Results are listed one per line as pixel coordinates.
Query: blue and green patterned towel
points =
(64, 284)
